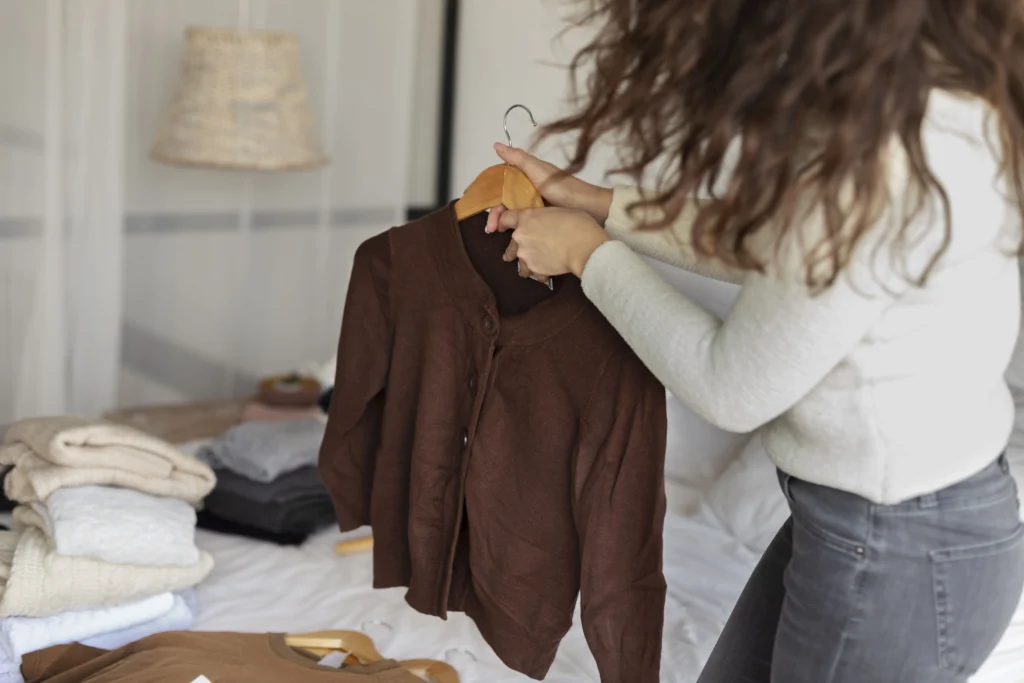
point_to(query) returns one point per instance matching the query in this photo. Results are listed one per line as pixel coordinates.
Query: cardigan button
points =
(489, 324)
(472, 384)
(465, 438)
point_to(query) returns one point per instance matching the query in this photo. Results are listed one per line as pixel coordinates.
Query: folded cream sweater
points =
(56, 452)
(36, 582)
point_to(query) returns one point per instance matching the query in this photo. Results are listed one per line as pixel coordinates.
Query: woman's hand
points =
(557, 188)
(551, 241)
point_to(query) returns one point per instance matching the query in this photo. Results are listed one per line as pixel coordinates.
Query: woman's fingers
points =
(524, 270)
(514, 156)
(511, 252)
(557, 187)
(539, 172)
(509, 220)
(493, 217)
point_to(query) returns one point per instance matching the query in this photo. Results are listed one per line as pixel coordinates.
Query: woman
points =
(856, 165)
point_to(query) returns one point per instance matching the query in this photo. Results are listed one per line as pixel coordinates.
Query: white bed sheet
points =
(259, 587)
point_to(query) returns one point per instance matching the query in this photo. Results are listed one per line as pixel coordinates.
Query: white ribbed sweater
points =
(873, 387)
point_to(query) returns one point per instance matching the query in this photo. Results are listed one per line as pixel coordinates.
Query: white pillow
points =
(747, 498)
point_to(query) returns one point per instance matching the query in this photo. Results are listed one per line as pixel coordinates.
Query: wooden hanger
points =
(321, 643)
(354, 546)
(431, 670)
(501, 184)
(361, 647)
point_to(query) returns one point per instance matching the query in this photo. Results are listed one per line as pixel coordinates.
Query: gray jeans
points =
(853, 592)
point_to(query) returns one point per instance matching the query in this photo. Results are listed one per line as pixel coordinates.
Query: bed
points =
(713, 539)
(261, 587)
(725, 506)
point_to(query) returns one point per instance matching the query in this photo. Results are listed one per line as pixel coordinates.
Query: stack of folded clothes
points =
(268, 486)
(103, 548)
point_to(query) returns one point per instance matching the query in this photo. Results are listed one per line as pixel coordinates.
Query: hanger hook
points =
(509, 111)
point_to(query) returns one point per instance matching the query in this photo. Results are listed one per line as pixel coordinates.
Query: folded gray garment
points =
(288, 522)
(263, 451)
(303, 483)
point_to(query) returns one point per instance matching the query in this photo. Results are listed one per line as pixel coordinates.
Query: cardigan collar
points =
(477, 303)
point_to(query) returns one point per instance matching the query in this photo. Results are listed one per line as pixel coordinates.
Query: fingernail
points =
(500, 146)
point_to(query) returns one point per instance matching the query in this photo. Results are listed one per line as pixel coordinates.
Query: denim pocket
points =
(977, 590)
(835, 519)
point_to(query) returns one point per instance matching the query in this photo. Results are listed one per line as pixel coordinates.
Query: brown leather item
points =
(184, 656)
(508, 464)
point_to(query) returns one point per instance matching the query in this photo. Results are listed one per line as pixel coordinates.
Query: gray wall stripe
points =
(12, 136)
(224, 221)
(19, 228)
(180, 368)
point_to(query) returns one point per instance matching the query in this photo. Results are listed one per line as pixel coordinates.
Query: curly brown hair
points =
(685, 79)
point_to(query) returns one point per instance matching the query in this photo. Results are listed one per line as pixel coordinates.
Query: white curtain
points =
(62, 212)
(123, 281)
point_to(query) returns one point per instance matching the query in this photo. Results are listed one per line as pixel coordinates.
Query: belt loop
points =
(1004, 464)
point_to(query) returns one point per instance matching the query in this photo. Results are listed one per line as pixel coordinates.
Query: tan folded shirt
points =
(182, 657)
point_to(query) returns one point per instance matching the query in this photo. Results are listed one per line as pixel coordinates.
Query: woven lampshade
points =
(241, 103)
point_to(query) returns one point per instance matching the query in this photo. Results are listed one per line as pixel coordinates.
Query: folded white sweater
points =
(56, 452)
(37, 582)
(180, 617)
(21, 635)
(116, 525)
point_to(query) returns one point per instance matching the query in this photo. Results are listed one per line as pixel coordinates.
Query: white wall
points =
(230, 276)
(289, 266)
(510, 54)
(426, 115)
(520, 55)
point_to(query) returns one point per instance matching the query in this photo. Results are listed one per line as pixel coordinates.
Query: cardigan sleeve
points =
(352, 436)
(619, 496)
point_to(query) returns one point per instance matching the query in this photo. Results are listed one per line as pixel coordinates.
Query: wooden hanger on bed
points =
(321, 643)
(501, 184)
(361, 647)
(430, 670)
(354, 546)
